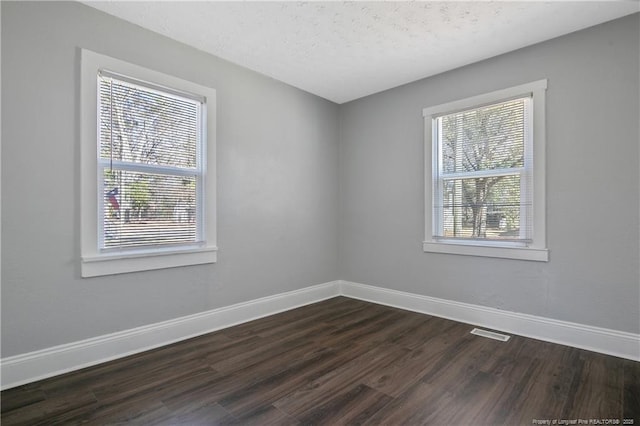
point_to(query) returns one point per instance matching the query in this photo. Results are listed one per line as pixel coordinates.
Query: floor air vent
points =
(490, 334)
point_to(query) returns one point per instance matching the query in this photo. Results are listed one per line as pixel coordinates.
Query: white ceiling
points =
(345, 50)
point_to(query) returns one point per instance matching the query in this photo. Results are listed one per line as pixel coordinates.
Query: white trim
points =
(32, 366)
(597, 339)
(485, 98)
(520, 253)
(120, 263)
(26, 368)
(514, 171)
(130, 261)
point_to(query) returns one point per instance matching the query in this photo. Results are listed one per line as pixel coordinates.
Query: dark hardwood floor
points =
(340, 361)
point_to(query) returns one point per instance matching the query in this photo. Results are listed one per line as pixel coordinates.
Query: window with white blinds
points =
(150, 165)
(483, 186)
(147, 172)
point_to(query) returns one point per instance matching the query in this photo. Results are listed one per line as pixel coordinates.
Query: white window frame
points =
(96, 262)
(536, 249)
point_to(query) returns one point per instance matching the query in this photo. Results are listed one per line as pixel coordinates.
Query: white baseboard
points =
(606, 341)
(33, 366)
(37, 365)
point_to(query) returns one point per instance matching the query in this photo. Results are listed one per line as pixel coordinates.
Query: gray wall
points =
(277, 184)
(592, 184)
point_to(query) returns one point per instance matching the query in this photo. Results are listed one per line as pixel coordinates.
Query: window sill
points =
(519, 253)
(99, 265)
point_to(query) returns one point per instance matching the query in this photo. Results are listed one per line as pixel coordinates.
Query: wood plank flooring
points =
(340, 361)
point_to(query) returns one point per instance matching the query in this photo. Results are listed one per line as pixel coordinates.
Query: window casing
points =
(484, 175)
(148, 169)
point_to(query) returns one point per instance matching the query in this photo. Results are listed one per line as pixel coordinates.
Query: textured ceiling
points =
(345, 50)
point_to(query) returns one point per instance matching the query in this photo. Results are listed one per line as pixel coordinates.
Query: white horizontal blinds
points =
(155, 209)
(141, 125)
(150, 168)
(483, 183)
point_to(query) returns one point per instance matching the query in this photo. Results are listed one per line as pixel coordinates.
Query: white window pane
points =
(143, 200)
(487, 138)
(143, 210)
(485, 174)
(142, 126)
(483, 208)
(484, 193)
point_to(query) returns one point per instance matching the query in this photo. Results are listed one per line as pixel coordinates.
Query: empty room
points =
(392, 213)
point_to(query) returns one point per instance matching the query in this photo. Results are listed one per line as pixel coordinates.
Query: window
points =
(148, 158)
(485, 175)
